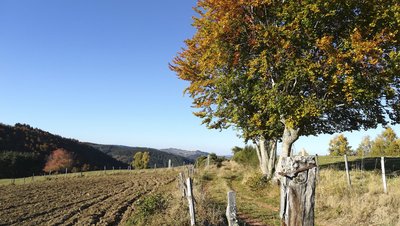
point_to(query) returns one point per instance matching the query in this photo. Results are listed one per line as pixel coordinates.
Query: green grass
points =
(326, 160)
(256, 201)
(33, 179)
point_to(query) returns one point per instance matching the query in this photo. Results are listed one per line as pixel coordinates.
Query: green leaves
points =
(322, 66)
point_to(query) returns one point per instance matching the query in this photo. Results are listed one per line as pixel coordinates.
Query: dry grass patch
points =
(362, 204)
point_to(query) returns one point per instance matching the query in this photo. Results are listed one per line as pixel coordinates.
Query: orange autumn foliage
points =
(58, 159)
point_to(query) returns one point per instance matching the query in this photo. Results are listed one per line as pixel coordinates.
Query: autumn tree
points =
(365, 147)
(58, 159)
(145, 160)
(141, 160)
(386, 143)
(339, 146)
(278, 70)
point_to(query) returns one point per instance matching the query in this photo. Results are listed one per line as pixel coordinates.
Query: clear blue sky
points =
(97, 71)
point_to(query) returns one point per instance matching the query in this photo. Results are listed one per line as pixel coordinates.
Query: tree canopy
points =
(141, 160)
(387, 143)
(281, 69)
(59, 159)
(339, 146)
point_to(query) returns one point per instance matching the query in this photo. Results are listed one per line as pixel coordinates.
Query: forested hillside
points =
(24, 150)
(193, 155)
(125, 154)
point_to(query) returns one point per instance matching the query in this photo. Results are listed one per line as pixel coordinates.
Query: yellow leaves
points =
(256, 119)
(200, 114)
(368, 50)
(325, 43)
(314, 8)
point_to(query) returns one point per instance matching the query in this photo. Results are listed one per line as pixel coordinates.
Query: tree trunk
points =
(298, 190)
(266, 153)
(289, 136)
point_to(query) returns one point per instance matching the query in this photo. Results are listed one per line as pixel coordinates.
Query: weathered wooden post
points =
(66, 172)
(33, 177)
(190, 201)
(169, 164)
(190, 169)
(182, 185)
(231, 214)
(317, 164)
(113, 168)
(208, 160)
(347, 170)
(104, 169)
(383, 175)
(298, 190)
(155, 165)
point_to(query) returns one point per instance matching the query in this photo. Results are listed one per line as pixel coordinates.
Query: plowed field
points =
(86, 200)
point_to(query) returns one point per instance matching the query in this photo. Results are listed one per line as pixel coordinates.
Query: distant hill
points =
(193, 155)
(125, 154)
(24, 150)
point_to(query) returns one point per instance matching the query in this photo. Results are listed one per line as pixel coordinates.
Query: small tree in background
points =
(137, 160)
(141, 160)
(365, 147)
(386, 143)
(58, 159)
(145, 160)
(339, 146)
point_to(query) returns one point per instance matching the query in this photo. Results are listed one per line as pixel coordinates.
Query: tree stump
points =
(298, 190)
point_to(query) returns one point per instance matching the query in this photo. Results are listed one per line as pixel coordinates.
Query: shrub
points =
(148, 206)
(246, 156)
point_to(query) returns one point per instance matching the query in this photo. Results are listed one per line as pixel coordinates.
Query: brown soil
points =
(92, 200)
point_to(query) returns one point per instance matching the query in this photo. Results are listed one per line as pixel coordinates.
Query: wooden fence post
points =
(182, 185)
(104, 169)
(231, 214)
(169, 164)
(383, 175)
(190, 201)
(346, 164)
(298, 190)
(190, 169)
(208, 160)
(317, 164)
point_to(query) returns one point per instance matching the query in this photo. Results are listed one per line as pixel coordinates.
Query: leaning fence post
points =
(182, 185)
(383, 175)
(190, 201)
(231, 209)
(346, 164)
(298, 190)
